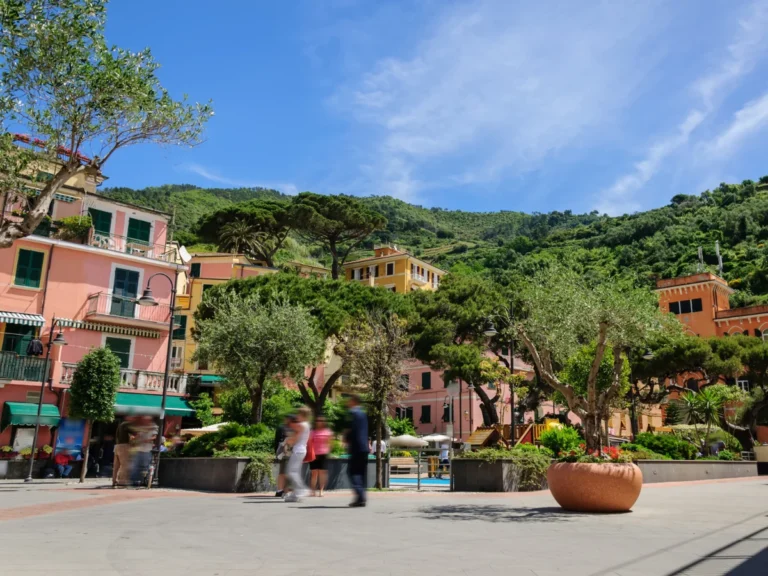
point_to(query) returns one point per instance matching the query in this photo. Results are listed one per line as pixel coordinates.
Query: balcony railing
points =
(28, 368)
(419, 278)
(132, 246)
(122, 307)
(131, 379)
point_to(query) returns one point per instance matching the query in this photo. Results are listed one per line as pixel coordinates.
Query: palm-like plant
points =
(702, 408)
(238, 237)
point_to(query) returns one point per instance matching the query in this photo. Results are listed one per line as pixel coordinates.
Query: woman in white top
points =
(298, 442)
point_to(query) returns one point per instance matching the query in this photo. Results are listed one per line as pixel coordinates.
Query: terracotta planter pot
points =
(595, 487)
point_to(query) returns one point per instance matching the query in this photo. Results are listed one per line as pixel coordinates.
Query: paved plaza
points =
(695, 529)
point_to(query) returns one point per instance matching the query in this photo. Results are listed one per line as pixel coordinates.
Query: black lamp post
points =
(58, 341)
(148, 300)
(491, 332)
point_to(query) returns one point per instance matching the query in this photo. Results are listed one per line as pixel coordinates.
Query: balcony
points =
(122, 310)
(418, 278)
(27, 368)
(132, 246)
(131, 379)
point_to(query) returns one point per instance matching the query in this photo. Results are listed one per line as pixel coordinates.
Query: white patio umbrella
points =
(407, 441)
(436, 438)
(203, 430)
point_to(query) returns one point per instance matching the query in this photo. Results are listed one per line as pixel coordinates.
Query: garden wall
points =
(483, 476)
(689, 470)
(223, 474)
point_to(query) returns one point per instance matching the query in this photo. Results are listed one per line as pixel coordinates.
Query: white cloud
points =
(213, 176)
(499, 86)
(742, 54)
(746, 121)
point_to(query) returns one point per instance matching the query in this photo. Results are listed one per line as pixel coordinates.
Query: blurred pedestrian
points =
(321, 440)
(281, 454)
(121, 466)
(144, 432)
(298, 443)
(357, 446)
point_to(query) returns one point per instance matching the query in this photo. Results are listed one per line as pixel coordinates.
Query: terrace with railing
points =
(131, 379)
(133, 246)
(27, 368)
(125, 310)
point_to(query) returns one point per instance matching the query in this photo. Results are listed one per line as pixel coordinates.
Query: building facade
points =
(394, 270)
(88, 285)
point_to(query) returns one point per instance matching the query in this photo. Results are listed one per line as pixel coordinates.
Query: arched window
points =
(758, 333)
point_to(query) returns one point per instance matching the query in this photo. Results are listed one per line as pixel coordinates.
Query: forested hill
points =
(658, 243)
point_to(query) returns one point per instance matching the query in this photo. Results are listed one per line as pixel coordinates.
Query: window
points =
(743, 384)
(426, 414)
(121, 347)
(29, 268)
(390, 268)
(409, 414)
(180, 333)
(358, 273)
(138, 231)
(746, 332)
(101, 220)
(758, 334)
(405, 382)
(207, 287)
(17, 338)
(446, 413)
(194, 270)
(686, 306)
(43, 176)
(124, 290)
(426, 380)
(393, 288)
(202, 365)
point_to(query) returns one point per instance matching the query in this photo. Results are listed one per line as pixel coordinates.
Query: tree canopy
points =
(71, 94)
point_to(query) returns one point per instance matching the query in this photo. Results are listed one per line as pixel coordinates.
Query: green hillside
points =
(657, 243)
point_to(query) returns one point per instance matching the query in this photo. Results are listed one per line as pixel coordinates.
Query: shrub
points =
(562, 439)
(74, 227)
(257, 474)
(637, 452)
(728, 455)
(400, 426)
(666, 444)
(206, 444)
(530, 465)
(687, 432)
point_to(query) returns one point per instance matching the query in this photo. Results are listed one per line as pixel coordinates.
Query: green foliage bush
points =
(687, 432)
(728, 455)
(400, 426)
(203, 406)
(74, 227)
(561, 439)
(207, 444)
(638, 452)
(667, 444)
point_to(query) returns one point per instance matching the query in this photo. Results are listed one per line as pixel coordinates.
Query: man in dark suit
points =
(357, 446)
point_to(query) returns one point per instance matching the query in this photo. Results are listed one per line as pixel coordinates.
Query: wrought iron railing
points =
(28, 368)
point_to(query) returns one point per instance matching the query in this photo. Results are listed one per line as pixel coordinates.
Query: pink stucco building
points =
(89, 285)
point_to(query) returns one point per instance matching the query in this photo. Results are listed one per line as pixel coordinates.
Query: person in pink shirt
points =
(321, 439)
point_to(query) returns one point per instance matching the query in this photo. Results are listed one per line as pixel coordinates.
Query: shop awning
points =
(25, 414)
(21, 318)
(149, 404)
(210, 379)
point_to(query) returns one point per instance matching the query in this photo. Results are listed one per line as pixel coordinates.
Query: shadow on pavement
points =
(735, 551)
(492, 513)
(758, 564)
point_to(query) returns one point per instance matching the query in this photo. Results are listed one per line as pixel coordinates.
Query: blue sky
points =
(475, 105)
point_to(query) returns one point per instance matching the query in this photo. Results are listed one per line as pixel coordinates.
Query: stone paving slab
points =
(673, 527)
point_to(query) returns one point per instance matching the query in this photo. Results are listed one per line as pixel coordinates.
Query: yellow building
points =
(395, 270)
(205, 270)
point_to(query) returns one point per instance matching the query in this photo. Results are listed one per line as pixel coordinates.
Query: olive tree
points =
(251, 342)
(72, 94)
(561, 313)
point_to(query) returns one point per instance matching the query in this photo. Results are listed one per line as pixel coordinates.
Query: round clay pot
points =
(595, 487)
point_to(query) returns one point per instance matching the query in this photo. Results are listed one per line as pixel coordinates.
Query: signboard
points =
(71, 433)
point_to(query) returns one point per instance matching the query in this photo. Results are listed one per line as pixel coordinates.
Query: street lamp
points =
(148, 300)
(490, 332)
(57, 341)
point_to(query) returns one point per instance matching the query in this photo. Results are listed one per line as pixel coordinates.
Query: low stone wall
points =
(483, 476)
(223, 474)
(691, 470)
(18, 469)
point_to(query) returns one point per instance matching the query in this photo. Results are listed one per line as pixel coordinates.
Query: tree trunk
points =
(257, 400)
(84, 467)
(488, 405)
(379, 480)
(592, 431)
(334, 260)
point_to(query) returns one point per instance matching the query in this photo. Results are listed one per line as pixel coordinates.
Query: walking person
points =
(144, 434)
(321, 439)
(357, 446)
(298, 443)
(281, 454)
(121, 467)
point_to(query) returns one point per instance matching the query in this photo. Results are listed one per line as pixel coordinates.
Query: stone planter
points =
(655, 471)
(469, 475)
(595, 487)
(761, 455)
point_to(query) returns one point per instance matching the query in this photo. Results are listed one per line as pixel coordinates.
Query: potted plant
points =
(6, 452)
(44, 452)
(26, 453)
(595, 481)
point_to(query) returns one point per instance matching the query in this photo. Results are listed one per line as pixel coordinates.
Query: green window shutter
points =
(124, 291)
(29, 268)
(138, 231)
(180, 333)
(426, 380)
(121, 347)
(17, 337)
(102, 221)
(194, 270)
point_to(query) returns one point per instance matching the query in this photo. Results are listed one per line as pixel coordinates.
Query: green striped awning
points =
(110, 328)
(25, 414)
(211, 379)
(149, 404)
(21, 318)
